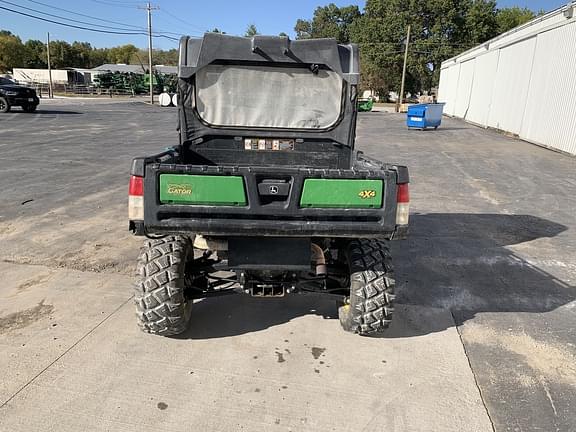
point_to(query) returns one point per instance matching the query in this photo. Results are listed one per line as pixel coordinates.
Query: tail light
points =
(402, 204)
(136, 198)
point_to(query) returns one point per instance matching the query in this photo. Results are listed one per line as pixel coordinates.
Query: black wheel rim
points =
(2, 105)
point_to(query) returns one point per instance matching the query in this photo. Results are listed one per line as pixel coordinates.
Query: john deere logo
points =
(179, 189)
(365, 194)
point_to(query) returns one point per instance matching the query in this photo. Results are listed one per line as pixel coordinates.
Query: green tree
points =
(61, 54)
(303, 29)
(99, 56)
(140, 58)
(122, 54)
(35, 54)
(282, 34)
(481, 21)
(12, 52)
(32, 54)
(509, 18)
(251, 31)
(440, 30)
(328, 22)
(80, 54)
(169, 57)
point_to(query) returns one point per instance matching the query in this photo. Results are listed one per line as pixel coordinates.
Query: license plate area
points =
(269, 253)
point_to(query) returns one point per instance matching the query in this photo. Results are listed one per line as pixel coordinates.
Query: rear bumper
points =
(260, 218)
(232, 228)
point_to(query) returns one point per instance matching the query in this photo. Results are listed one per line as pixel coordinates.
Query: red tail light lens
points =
(403, 193)
(136, 186)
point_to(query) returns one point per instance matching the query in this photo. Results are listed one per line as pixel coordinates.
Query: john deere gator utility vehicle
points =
(265, 195)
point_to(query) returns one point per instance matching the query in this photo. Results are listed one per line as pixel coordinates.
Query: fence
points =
(75, 90)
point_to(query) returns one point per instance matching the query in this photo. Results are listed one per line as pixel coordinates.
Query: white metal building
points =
(522, 82)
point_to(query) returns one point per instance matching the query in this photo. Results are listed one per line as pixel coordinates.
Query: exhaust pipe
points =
(319, 260)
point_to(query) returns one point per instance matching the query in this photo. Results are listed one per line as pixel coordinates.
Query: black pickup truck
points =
(265, 194)
(12, 94)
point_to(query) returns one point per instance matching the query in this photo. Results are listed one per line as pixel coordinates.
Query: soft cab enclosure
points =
(267, 130)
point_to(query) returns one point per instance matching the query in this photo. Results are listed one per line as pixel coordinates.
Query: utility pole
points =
(50, 91)
(149, 9)
(401, 95)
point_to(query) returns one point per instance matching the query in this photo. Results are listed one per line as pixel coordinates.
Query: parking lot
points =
(484, 336)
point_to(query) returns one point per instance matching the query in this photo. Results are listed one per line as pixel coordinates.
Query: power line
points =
(201, 31)
(181, 20)
(125, 5)
(167, 22)
(142, 29)
(87, 16)
(61, 17)
(69, 25)
(83, 28)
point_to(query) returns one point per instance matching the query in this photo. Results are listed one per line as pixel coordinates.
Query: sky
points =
(191, 17)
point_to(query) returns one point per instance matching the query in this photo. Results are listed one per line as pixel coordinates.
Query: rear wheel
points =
(4, 105)
(161, 305)
(370, 306)
(30, 108)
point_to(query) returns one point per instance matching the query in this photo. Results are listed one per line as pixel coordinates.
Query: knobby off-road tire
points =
(159, 293)
(370, 307)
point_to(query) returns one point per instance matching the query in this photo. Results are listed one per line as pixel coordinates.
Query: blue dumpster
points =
(423, 116)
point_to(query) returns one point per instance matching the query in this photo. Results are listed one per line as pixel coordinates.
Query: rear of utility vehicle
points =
(264, 193)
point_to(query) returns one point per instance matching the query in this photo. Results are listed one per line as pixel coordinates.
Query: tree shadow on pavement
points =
(461, 263)
(454, 264)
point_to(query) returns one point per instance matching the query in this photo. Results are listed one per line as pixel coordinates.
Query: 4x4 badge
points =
(365, 194)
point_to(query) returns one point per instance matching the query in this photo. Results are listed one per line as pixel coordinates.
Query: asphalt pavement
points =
(483, 338)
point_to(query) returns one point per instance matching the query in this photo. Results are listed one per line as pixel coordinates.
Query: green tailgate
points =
(337, 193)
(202, 190)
